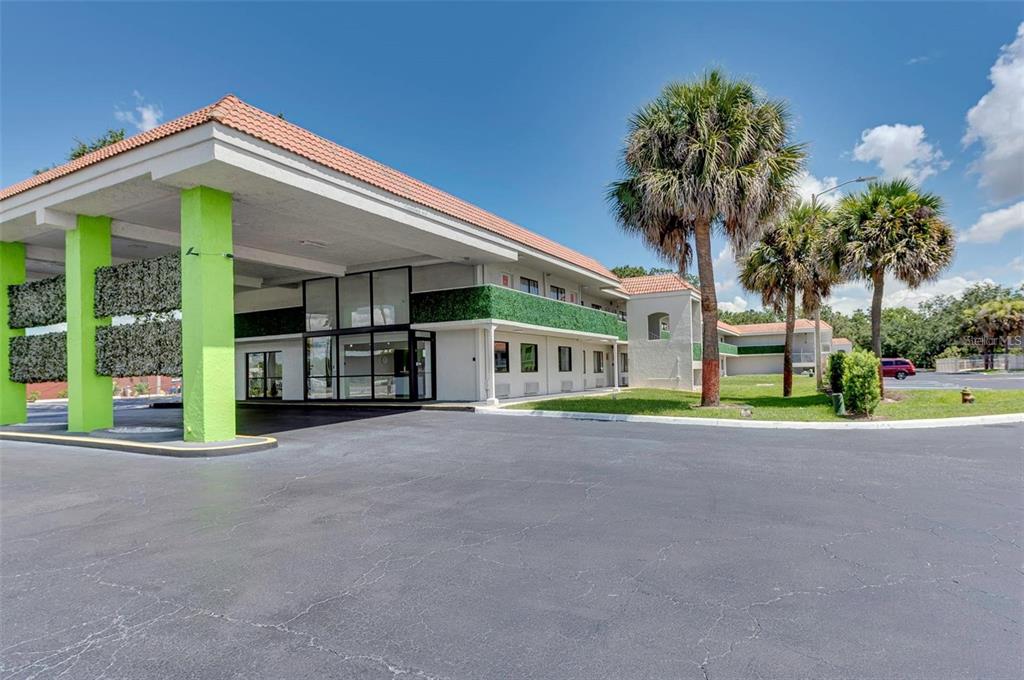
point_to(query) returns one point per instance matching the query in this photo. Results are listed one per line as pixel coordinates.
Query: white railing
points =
(977, 363)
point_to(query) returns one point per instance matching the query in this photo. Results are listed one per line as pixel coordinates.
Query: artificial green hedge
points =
(39, 358)
(497, 302)
(761, 349)
(139, 287)
(270, 322)
(37, 303)
(141, 348)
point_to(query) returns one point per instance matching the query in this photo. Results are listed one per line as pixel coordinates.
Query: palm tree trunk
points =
(709, 315)
(877, 284)
(787, 353)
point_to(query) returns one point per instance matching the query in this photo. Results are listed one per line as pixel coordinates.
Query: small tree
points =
(861, 384)
(835, 371)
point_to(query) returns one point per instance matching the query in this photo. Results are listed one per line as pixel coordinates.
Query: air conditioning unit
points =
(502, 390)
(531, 388)
(567, 385)
(599, 382)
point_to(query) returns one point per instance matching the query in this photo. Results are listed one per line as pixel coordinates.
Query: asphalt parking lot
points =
(929, 380)
(448, 545)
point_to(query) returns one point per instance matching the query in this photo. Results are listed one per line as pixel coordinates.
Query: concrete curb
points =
(765, 424)
(243, 444)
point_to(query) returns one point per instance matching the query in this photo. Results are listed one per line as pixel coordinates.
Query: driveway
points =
(447, 545)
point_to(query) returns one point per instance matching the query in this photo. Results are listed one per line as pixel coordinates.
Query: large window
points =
(355, 367)
(390, 293)
(564, 359)
(556, 293)
(391, 368)
(321, 300)
(598, 361)
(354, 294)
(500, 357)
(320, 367)
(263, 375)
(529, 286)
(528, 358)
(360, 346)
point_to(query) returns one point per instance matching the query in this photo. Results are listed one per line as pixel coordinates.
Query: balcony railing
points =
(497, 302)
(723, 348)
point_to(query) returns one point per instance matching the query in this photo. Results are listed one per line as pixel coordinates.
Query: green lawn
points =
(764, 394)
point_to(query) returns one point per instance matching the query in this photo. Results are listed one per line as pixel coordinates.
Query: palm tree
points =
(890, 228)
(783, 263)
(706, 156)
(999, 321)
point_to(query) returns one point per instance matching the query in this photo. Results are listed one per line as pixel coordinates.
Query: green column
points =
(90, 396)
(12, 394)
(207, 315)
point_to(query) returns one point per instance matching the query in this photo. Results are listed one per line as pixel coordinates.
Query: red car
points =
(898, 368)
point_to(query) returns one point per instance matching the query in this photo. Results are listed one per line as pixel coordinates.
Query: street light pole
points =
(817, 308)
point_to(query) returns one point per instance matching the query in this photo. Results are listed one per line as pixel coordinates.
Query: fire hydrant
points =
(966, 397)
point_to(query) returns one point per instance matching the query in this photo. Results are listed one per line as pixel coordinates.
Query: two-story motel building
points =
(311, 273)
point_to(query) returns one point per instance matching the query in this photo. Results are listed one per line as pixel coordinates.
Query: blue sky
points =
(521, 108)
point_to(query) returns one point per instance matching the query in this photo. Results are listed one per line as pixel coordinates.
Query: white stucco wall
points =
(291, 364)
(262, 299)
(456, 365)
(754, 363)
(661, 363)
(439, 276)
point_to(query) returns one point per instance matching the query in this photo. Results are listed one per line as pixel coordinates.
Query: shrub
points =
(141, 389)
(861, 389)
(951, 352)
(835, 371)
(62, 394)
(33, 396)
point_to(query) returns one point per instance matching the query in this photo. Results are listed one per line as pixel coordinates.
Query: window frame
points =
(557, 293)
(532, 286)
(536, 357)
(568, 356)
(598, 361)
(507, 357)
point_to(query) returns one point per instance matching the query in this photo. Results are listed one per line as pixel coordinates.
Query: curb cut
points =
(175, 450)
(929, 423)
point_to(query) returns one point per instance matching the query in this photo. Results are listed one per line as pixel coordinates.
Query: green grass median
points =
(763, 395)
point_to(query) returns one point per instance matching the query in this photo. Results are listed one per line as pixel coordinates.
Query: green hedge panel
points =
(761, 349)
(139, 287)
(37, 303)
(39, 358)
(270, 322)
(496, 302)
(144, 348)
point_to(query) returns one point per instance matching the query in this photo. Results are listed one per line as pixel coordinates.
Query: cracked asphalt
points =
(447, 545)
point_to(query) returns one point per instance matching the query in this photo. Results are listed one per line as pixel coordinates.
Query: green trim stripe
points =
(12, 273)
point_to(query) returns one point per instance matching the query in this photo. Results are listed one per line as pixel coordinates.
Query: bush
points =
(835, 371)
(861, 389)
(951, 352)
(33, 396)
(141, 348)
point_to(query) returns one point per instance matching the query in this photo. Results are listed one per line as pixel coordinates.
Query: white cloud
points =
(725, 270)
(997, 121)
(144, 116)
(900, 151)
(808, 185)
(922, 59)
(856, 294)
(738, 304)
(992, 226)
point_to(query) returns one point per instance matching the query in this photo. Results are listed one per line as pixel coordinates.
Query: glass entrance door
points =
(424, 367)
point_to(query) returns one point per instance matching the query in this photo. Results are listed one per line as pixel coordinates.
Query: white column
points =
(615, 367)
(492, 400)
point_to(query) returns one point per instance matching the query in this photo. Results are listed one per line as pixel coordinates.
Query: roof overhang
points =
(514, 327)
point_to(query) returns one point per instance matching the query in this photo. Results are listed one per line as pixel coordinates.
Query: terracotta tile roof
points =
(656, 283)
(232, 112)
(769, 328)
(842, 341)
(723, 326)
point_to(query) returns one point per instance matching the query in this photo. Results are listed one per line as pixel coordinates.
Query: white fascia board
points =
(195, 145)
(611, 292)
(515, 326)
(248, 153)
